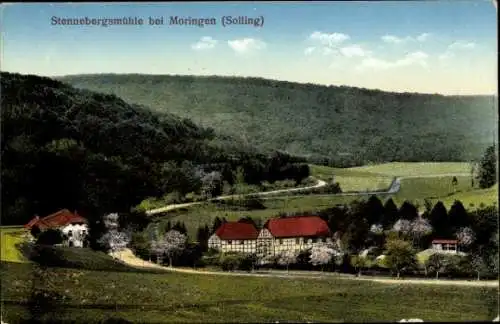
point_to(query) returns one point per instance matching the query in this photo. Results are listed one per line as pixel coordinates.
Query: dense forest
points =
(69, 148)
(340, 126)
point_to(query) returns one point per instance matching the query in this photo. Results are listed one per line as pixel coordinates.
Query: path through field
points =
(394, 188)
(128, 257)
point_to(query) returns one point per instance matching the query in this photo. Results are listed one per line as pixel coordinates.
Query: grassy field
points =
(415, 168)
(417, 190)
(175, 297)
(474, 198)
(10, 236)
(351, 179)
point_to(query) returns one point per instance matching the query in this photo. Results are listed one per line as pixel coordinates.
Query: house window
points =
(241, 242)
(281, 241)
(323, 240)
(70, 233)
(229, 242)
(297, 241)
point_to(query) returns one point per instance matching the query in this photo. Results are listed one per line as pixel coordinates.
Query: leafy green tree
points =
(359, 263)
(400, 255)
(438, 263)
(488, 168)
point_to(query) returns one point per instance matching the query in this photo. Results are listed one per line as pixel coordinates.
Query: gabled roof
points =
(297, 226)
(61, 218)
(445, 241)
(237, 231)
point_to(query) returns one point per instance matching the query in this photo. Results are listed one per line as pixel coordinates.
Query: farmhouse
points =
(235, 237)
(295, 233)
(72, 225)
(445, 246)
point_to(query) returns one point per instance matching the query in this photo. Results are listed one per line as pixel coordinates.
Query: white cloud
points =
(423, 37)
(326, 39)
(309, 50)
(461, 45)
(415, 58)
(454, 47)
(354, 50)
(398, 40)
(328, 51)
(392, 39)
(246, 45)
(204, 43)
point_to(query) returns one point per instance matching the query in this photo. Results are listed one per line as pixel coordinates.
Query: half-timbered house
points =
(294, 233)
(234, 237)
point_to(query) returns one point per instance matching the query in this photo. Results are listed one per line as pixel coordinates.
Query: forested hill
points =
(69, 148)
(350, 124)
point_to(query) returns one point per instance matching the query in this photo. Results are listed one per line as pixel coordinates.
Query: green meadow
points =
(10, 237)
(92, 296)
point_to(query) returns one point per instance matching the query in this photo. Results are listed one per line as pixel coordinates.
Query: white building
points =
(234, 237)
(76, 234)
(445, 246)
(73, 226)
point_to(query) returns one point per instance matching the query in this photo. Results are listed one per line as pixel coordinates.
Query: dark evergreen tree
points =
(217, 223)
(202, 236)
(440, 221)
(374, 210)
(488, 168)
(391, 213)
(408, 211)
(183, 229)
(458, 216)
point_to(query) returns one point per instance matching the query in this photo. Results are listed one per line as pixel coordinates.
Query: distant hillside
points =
(68, 148)
(347, 125)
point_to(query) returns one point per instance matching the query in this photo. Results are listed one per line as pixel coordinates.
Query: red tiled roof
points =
(237, 231)
(58, 219)
(444, 241)
(297, 226)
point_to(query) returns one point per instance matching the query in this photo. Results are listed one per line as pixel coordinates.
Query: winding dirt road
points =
(319, 184)
(394, 188)
(127, 256)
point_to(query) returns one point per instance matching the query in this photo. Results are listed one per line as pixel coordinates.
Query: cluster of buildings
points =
(278, 235)
(294, 233)
(73, 226)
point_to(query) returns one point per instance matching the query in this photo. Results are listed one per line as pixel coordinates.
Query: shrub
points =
(50, 237)
(229, 262)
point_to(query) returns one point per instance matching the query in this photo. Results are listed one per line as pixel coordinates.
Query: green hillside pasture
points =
(417, 190)
(351, 179)
(10, 236)
(474, 198)
(415, 168)
(198, 215)
(93, 296)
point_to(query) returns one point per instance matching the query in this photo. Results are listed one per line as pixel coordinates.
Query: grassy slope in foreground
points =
(175, 297)
(10, 236)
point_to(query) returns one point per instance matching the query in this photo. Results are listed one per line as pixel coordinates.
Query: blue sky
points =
(445, 47)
